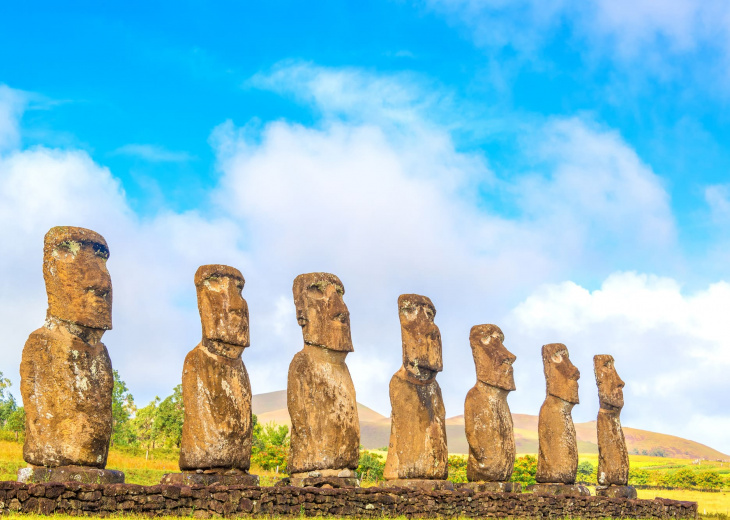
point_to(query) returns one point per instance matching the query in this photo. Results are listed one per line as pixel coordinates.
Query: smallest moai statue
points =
(487, 417)
(217, 427)
(613, 457)
(557, 460)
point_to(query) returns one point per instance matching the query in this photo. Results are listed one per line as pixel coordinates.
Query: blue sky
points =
(559, 170)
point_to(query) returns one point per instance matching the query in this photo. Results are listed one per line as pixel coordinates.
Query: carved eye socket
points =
(409, 312)
(557, 357)
(101, 251)
(429, 313)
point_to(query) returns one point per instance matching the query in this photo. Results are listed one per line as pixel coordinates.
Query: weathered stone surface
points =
(217, 428)
(419, 484)
(293, 502)
(417, 448)
(81, 474)
(575, 490)
(320, 482)
(325, 432)
(491, 487)
(616, 491)
(613, 457)
(487, 417)
(66, 374)
(558, 448)
(194, 478)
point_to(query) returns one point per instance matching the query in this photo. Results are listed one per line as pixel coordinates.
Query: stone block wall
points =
(239, 501)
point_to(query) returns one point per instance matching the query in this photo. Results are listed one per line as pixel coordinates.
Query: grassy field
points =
(708, 503)
(148, 470)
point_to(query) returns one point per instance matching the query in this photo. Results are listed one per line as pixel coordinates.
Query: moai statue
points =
(66, 376)
(613, 458)
(557, 462)
(325, 435)
(417, 454)
(487, 417)
(217, 427)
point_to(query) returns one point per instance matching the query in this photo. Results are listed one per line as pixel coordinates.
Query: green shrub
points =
(708, 480)
(683, 478)
(638, 477)
(457, 468)
(271, 458)
(586, 472)
(525, 470)
(370, 468)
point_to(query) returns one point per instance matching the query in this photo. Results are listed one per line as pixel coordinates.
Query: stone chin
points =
(568, 394)
(615, 401)
(340, 342)
(506, 381)
(99, 318)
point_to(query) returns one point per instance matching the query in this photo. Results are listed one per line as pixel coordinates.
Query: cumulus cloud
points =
(671, 347)
(651, 33)
(393, 208)
(380, 196)
(717, 198)
(12, 103)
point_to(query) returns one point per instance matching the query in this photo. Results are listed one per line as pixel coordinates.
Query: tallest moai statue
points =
(66, 374)
(325, 436)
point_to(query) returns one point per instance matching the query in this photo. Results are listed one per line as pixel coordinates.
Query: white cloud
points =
(378, 195)
(718, 199)
(640, 36)
(671, 348)
(12, 103)
(152, 153)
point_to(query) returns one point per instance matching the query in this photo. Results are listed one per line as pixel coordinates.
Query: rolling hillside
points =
(375, 431)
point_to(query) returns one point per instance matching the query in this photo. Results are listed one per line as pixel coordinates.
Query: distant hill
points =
(375, 432)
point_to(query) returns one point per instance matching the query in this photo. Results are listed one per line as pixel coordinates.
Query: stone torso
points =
(489, 432)
(217, 398)
(417, 447)
(558, 449)
(325, 431)
(613, 458)
(66, 386)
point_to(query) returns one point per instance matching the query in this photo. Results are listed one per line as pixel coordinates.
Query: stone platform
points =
(491, 487)
(193, 478)
(266, 502)
(320, 482)
(80, 474)
(419, 484)
(573, 490)
(616, 491)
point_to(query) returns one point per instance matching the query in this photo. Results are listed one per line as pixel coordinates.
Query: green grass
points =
(147, 468)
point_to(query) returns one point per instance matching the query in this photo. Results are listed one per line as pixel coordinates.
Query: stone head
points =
(493, 361)
(77, 281)
(610, 385)
(420, 335)
(561, 375)
(223, 311)
(321, 311)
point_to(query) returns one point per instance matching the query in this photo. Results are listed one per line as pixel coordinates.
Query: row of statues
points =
(67, 380)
